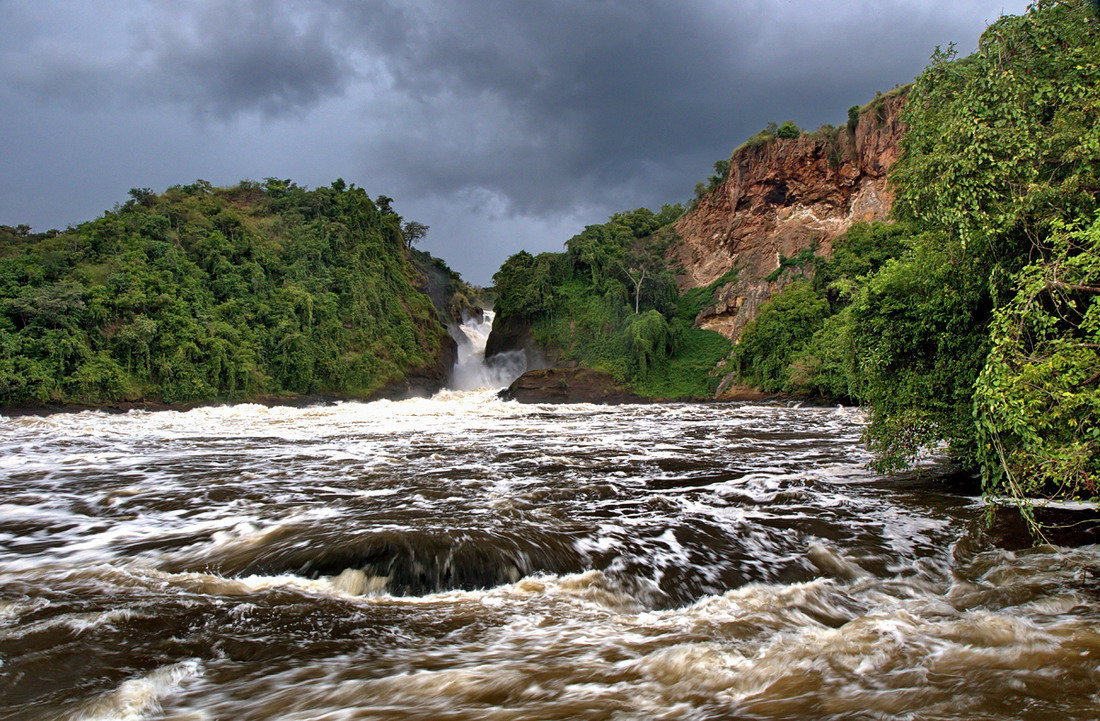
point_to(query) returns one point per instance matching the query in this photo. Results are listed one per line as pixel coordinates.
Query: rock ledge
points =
(570, 385)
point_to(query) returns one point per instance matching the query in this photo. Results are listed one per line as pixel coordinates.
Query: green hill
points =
(205, 293)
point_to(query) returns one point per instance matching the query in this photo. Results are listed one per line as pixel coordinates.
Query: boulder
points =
(570, 385)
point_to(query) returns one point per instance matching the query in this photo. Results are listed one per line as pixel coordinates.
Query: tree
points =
(384, 204)
(785, 324)
(999, 164)
(524, 285)
(413, 232)
(637, 276)
(204, 293)
(920, 329)
(721, 173)
(144, 197)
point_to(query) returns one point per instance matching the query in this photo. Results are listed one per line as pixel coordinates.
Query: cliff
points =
(781, 197)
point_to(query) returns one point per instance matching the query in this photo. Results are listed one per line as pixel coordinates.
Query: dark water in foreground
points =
(463, 558)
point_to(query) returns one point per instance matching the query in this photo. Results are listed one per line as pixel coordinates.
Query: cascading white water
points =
(472, 371)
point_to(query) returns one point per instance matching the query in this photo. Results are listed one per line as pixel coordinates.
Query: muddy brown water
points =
(467, 558)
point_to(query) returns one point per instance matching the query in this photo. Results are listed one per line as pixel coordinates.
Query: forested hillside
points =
(609, 302)
(205, 293)
(975, 320)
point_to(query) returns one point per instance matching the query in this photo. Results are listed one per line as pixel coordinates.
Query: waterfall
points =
(472, 371)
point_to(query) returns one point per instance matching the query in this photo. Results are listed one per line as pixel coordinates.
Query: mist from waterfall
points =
(471, 370)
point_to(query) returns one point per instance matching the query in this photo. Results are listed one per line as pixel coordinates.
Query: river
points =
(461, 557)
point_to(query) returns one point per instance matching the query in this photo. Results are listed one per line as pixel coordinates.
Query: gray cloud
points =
(554, 104)
(218, 58)
(232, 56)
(497, 122)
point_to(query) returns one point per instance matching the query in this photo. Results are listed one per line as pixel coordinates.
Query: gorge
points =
(822, 443)
(936, 261)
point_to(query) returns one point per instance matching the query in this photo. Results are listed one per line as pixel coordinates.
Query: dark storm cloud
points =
(498, 122)
(554, 104)
(234, 57)
(549, 104)
(219, 57)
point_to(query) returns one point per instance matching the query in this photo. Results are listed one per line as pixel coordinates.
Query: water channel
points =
(461, 557)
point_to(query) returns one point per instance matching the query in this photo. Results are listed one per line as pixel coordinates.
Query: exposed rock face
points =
(569, 385)
(510, 334)
(433, 282)
(781, 197)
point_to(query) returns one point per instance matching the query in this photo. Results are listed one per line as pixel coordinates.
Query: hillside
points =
(937, 261)
(646, 297)
(973, 322)
(609, 303)
(205, 293)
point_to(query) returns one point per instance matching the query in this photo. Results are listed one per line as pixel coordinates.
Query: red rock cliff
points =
(780, 197)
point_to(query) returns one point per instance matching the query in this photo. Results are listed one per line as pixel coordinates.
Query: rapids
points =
(461, 557)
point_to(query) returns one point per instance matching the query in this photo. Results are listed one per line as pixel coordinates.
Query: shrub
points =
(788, 130)
(853, 119)
(1037, 400)
(919, 325)
(857, 254)
(825, 367)
(784, 325)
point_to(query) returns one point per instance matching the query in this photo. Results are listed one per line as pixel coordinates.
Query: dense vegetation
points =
(202, 293)
(975, 321)
(609, 302)
(801, 340)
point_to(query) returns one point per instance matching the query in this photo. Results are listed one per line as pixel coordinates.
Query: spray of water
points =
(472, 371)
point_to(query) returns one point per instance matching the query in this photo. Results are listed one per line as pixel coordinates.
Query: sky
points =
(504, 125)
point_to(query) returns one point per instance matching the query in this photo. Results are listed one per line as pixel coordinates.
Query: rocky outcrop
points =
(782, 196)
(569, 385)
(514, 334)
(453, 298)
(736, 392)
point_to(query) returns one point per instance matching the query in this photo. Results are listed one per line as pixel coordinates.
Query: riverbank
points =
(297, 401)
(392, 392)
(584, 385)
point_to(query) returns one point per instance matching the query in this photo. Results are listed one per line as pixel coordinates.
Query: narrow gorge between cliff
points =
(462, 557)
(472, 370)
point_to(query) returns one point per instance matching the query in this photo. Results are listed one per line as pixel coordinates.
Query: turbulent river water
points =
(461, 557)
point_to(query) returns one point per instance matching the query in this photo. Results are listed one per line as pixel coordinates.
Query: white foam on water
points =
(579, 641)
(582, 641)
(351, 583)
(649, 494)
(139, 698)
(76, 622)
